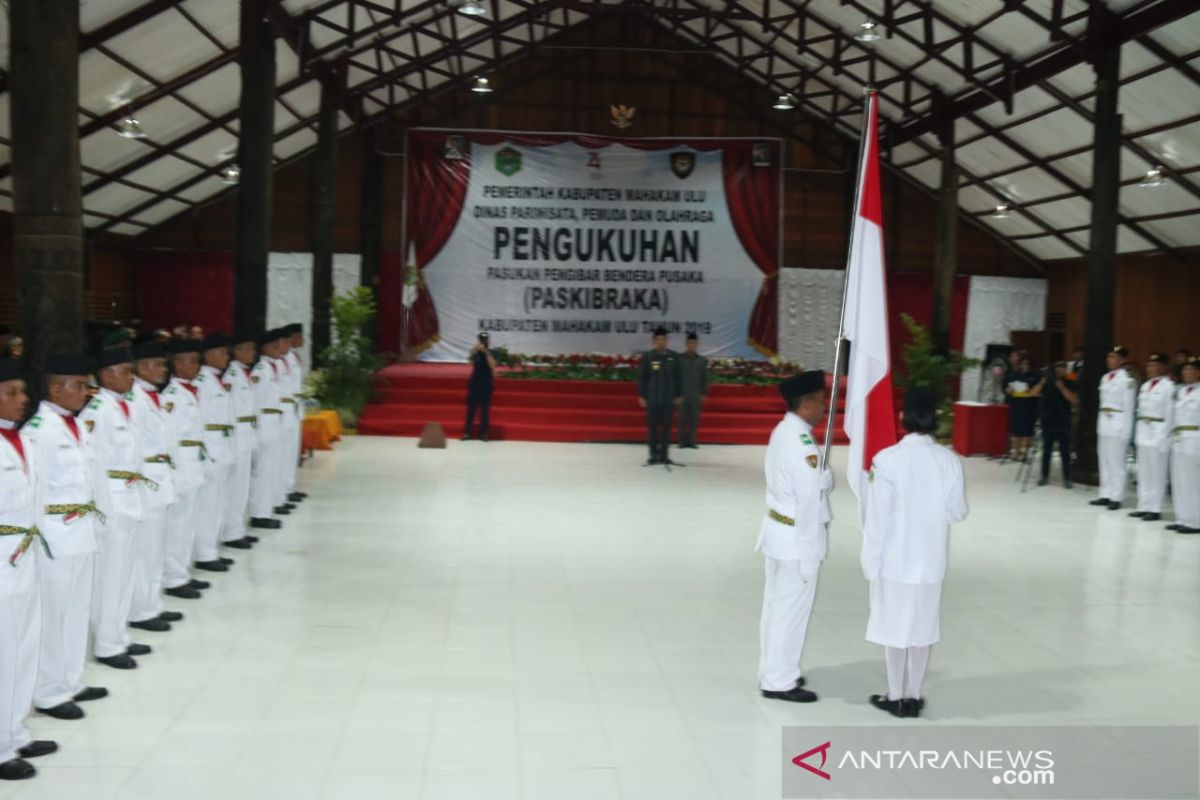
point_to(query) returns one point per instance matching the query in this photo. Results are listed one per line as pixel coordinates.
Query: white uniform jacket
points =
(796, 491)
(915, 491)
(1185, 438)
(108, 419)
(1118, 393)
(160, 450)
(1155, 409)
(245, 411)
(265, 377)
(187, 428)
(216, 411)
(65, 481)
(18, 509)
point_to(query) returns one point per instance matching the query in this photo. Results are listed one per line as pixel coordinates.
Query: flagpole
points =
(841, 339)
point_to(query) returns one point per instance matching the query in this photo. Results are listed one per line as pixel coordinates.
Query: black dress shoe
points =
(265, 522)
(894, 707)
(1174, 526)
(1137, 513)
(171, 616)
(250, 539)
(136, 649)
(211, 566)
(281, 511)
(1042, 482)
(912, 707)
(67, 710)
(16, 770)
(91, 693)
(793, 695)
(229, 562)
(1102, 501)
(466, 437)
(156, 624)
(239, 544)
(1068, 485)
(1113, 505)
(290, 506)
(1151, 516)
(296, 497)
(185, 591)
(119, 661)
(1186, 529)
(198, 584)
(40, 747)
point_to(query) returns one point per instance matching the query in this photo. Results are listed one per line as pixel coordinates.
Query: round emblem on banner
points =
(508, 161)
(682, 164)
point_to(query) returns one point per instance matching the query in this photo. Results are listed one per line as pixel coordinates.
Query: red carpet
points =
(409, 395)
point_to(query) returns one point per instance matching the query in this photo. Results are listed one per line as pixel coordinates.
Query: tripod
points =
(1026, 466)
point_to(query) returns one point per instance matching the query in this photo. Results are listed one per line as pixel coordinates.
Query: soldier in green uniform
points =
(660, 389)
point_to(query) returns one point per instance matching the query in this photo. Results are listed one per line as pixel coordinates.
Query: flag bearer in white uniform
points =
(1185, 451)
(20, 600)
(1155, 408)
(792, 537)
(67, 499)
(160, 451)
(914, 493)
(265, 468)
(289, 448)
(1114, 426)
(295, 333)
(216, 410)
(237, 489)
(109, 422)
(180, 401)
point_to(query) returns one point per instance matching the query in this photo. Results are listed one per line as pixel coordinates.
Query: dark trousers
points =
(481, 400)
(1063, 438)
(689, 420)
(658, 429)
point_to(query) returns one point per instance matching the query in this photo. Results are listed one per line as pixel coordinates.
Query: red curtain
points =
(752, 194)
(177, 287)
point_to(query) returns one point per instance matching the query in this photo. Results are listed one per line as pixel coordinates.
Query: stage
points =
(406, 396)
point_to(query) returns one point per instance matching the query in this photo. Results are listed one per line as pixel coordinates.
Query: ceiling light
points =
(784, 103)
(867, 32)
(230, 175)
(130, 128)
(481, 86)
(472, 9)
(1154, 177)
(1003, 211)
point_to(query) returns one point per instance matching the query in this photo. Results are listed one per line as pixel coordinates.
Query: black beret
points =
(812, 380)
(149, 349)
(113, 356)
(10, 369)
(241, 337)
(660, 331)
(293, 329)
(67, 364)
(1119, 350)
(215, 340)
(920, 400)
(1156, 358)
(179, 346)
(268, 336)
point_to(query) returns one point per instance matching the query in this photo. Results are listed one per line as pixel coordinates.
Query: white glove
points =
(826, 480)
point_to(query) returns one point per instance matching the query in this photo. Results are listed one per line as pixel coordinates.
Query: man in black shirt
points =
(660, 389)
(1059, 396)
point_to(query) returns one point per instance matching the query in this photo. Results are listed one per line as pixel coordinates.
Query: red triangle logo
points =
(823, 749)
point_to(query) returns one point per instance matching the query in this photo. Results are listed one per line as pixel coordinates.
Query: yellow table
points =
(320, 430)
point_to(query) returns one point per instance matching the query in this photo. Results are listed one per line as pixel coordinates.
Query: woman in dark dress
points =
(479, 387)
(1022, 406)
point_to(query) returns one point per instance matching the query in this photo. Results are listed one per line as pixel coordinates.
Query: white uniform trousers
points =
(112, 588)
(1185, 488)
(1152, 463)
(1110, 452)
(148, 565)
(237, 499)
(181, 532)
(264, 480)
(210, 505)
(20, 638)
(787, 603)
(66, 602)
(292, 465)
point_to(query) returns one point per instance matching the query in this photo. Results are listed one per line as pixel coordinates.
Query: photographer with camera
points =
(1059, 395)
(479, 387)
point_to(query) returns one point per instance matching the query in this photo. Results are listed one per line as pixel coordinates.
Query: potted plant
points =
(924, 366)
(348, 365)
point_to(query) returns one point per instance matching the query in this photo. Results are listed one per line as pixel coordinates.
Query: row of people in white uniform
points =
(1162, 418)
(107, 503)
(914, 493)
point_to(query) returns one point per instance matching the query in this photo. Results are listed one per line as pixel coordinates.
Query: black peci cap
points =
(113, 356)
(242, 337)
(67, 364)
(1157, 358)
(10, 369)
(149, 349)
(180, 346)
(215, 340)
(920, 400)
(807, 382)
(1119, 350)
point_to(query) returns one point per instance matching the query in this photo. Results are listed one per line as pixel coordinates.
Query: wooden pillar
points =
(47, 201)
(1102, 256)
(945, 261)
(372, 219)
(256, 131)
(324, 178)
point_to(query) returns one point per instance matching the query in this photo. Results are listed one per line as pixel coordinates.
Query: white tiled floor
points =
(513, 620)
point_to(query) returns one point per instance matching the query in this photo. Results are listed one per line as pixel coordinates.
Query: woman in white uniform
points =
(915, 492)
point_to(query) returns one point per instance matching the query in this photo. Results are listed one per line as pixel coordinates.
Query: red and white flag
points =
(870, 410)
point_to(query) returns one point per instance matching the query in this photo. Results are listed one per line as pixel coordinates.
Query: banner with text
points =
(574, 244)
